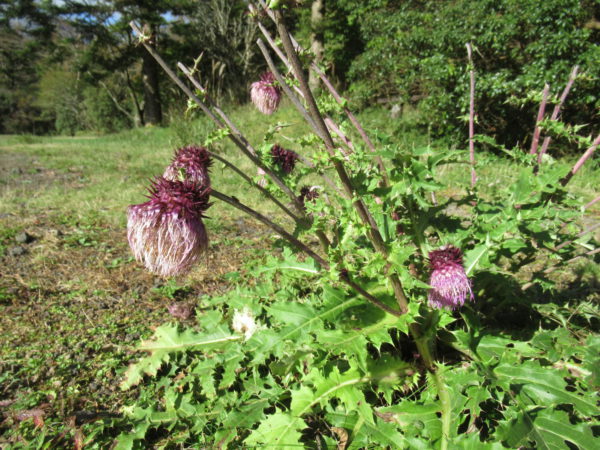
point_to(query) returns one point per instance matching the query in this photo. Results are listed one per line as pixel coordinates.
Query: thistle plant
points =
(372, 335)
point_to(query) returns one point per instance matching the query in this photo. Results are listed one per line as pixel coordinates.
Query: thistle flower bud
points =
(166, 233)
(181, 311)
(190, 164)
(265, 94)
(284, 159)
(308, 194)
(449, 283)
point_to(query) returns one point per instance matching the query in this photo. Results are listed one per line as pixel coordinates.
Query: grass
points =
(75, 304)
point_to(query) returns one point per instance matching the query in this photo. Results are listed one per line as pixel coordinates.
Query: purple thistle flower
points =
(449, 283)
(193, 163)
(166, 233)
(308, 194)
(265, 94)
(285, 159)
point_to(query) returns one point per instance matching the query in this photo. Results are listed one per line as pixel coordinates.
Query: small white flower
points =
(243, 322)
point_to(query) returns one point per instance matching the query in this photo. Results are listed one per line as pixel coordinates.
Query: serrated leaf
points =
(474, 256)
(334, 385)
(280, 430)
(548, 428)
(385, 434)
(148, 365)
(544, 385)
(244, 418)
(168, 338)
(292, 313)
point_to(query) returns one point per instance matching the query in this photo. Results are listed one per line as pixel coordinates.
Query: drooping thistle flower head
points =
(266, 94)
(190, 163)
(166, 233)
(284, 159)
(450, 286)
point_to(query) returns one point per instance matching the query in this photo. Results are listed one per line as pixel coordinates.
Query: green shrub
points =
(416, 51)
(101, 112)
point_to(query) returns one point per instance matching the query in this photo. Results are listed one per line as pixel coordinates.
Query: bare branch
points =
(588, 153)
(556, 111)
(540, 116)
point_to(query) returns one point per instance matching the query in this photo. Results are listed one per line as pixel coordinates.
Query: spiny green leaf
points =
(148, 365)
(280, 430)
(168, 338)
(548, 428)
(334, 385)
(544, 385)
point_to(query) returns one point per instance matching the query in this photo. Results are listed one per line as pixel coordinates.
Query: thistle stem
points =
(321, 128)
(446, 404)
(328, 121)
(471, 117)
(302, 247)
(256, 185)
(337, 97)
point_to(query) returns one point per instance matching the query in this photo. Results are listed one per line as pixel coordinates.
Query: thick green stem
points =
(446, 404)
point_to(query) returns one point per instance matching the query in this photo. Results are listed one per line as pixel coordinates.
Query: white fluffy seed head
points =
(243, 322)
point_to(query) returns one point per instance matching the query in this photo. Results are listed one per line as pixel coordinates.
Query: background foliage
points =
(408, 53)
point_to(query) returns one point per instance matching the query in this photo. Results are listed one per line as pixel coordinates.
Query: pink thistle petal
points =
(265, 94)
(450, 286)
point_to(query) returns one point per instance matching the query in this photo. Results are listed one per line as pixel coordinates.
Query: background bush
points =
(416, 51)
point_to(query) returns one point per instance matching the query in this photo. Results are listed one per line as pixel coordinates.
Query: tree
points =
(25, 42)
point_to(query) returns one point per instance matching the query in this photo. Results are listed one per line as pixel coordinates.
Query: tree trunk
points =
(317, 46)
(152, 107)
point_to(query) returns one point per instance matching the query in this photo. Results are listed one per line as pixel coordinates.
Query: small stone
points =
(24, 238)
(17, 251)
(396, 111)
(55, 233)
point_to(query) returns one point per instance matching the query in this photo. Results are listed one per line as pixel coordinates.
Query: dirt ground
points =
(74, 304)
